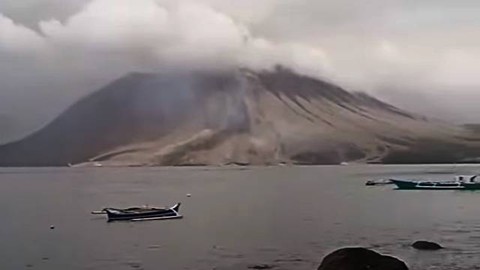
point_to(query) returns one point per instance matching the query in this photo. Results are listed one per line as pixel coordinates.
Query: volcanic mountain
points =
(237, 117)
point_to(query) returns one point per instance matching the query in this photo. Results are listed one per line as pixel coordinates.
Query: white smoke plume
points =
(153, 34)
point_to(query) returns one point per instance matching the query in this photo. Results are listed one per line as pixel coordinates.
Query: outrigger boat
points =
(460, 183)
(141, 213)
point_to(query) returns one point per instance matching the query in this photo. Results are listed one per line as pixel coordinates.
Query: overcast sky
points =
(421, 55)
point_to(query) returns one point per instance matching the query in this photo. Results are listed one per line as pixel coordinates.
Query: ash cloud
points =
(52, 52)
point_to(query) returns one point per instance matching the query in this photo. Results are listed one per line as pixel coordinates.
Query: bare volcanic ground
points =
(239, 117)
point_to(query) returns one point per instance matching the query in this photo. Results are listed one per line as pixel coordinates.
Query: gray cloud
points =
(30, 12)
(55, 51)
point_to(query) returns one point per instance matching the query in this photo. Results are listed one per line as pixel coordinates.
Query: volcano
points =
(236, 117)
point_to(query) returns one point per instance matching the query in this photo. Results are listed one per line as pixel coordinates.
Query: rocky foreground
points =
(357, 258)
(360, 259)
(236, 117)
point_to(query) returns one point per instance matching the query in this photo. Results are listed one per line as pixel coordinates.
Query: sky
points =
(422, 56)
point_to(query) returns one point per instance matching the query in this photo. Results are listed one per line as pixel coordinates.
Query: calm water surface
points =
(288, 217)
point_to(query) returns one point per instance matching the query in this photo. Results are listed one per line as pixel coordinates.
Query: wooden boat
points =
(460, 183)
(141, 213)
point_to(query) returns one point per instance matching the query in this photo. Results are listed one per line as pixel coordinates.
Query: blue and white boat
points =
(461, 182)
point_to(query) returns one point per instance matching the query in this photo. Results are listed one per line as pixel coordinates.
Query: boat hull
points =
(381, 182)
(113, 215)
(426, 185)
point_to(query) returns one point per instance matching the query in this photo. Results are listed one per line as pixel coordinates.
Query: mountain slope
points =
(240, 117)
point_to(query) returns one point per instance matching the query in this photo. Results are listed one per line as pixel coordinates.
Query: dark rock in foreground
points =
(360, 259)
(426, 245)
